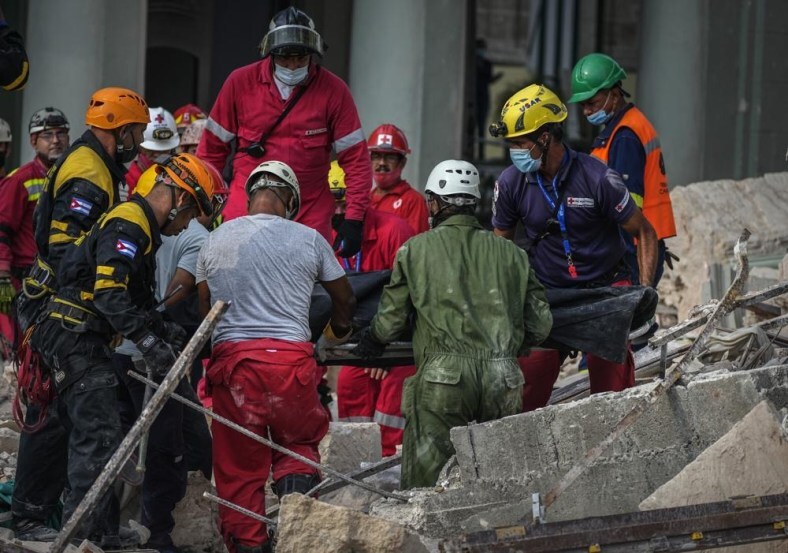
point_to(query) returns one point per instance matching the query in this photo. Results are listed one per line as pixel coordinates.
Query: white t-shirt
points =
(267, 267)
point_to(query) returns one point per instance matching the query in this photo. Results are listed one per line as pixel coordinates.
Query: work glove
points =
(175, 335)
(329, 339)
(349, 238)
(670, 257)
(7, 293)
(157, 354)
(368, 348)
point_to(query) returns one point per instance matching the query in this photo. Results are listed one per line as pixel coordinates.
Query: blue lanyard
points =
(346, 263)
(561, 214)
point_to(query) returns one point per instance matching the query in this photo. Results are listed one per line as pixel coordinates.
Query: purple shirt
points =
(596, 201)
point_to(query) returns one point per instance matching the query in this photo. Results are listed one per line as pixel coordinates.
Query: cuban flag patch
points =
(129, 249)
(81, 206)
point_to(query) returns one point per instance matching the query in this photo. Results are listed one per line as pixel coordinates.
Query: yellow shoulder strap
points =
(83, 163)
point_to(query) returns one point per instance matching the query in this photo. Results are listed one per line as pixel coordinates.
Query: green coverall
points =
(476, 304)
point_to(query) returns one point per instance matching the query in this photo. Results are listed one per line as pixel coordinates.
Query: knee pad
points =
(295, 483)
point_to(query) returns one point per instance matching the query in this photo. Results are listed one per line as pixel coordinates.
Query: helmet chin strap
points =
(173, 210)
(288, 213)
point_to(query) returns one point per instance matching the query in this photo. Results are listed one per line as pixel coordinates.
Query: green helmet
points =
(593, 73)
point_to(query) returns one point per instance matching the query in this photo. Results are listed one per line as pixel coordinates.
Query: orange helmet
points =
(114, 107)
(388, 138)
(193, 175)
(220, 189)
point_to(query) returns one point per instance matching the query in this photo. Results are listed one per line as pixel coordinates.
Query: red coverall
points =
(541, 369)
(18, 197)
(325, 117)
(136, 168)
(359, 397)
(404, 202)
(250, 381)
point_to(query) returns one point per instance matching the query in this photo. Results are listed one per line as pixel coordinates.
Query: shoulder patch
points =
(126, 247)
(132, 213)
(80, 205)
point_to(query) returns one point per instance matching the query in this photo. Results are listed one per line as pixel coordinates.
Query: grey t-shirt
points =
(267, 267)
(175, 252)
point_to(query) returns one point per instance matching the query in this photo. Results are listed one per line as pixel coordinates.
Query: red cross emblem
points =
(159, 118)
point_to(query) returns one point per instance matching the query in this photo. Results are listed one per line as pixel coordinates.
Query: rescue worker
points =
(262, 370)
(570, 205)
(5, 146)
(14, 67)
(367, 395)
(192, 135)
(19, 193)
(629, 144)
(470, 322)
(186, 115)
(106, 289)
(161, 139)
(388, 150)
(322, 117)
(169, 455)
(80, 187)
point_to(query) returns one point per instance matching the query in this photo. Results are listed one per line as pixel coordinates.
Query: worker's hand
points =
(330, 338)
(670, 257)
(7, 293)
(157, 354)
(348, 241)
(369, 348)
(377, 374)
(175, 335)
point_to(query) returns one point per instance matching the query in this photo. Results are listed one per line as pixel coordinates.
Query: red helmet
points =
(388, 138)
(188, 114)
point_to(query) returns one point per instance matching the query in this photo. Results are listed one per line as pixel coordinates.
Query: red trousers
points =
(362, 399)
(269, 387)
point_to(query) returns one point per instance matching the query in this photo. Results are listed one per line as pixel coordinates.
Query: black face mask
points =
(336, 221)
(2, 160)
(122, 154)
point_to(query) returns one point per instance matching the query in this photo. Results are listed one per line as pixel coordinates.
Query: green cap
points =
(593, 73)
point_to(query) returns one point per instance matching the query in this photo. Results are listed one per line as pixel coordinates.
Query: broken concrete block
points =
(195, 528)
(751, 459)
(309, 525)
(359, 499)
(348, 444)
(9, 440)
(706, 237)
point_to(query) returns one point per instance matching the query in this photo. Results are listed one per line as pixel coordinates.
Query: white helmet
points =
(257, 180)
(193, 133)
(5, 131)
(161, 134)
(453, 177)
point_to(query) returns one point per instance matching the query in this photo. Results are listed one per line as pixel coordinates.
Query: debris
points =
(338, 529)
(348, 444)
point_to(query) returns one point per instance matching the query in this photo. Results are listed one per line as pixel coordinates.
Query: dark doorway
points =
(170, 77)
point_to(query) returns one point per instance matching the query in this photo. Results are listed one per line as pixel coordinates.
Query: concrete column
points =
(407, 67)
(670, 83)
(77, 47)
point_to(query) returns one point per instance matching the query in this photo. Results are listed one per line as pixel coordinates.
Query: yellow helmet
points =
(147, 180)
(527, 110)
(336, 181)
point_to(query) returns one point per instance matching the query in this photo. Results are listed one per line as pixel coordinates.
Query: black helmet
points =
(292, 32)
(47, 118)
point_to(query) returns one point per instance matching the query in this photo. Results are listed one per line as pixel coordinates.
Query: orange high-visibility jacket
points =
(655, 202)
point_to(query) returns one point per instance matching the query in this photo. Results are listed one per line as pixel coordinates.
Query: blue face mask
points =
(523, 160)
(291, 77)
(600, 117)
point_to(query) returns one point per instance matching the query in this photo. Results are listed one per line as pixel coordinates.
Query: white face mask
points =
(290, 77)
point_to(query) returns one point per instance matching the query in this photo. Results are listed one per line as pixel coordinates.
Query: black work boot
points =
(295, 483)
(28, 529)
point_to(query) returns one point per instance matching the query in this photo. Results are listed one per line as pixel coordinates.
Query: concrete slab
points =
(309, 525)
(751, 459)
(348, 444)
